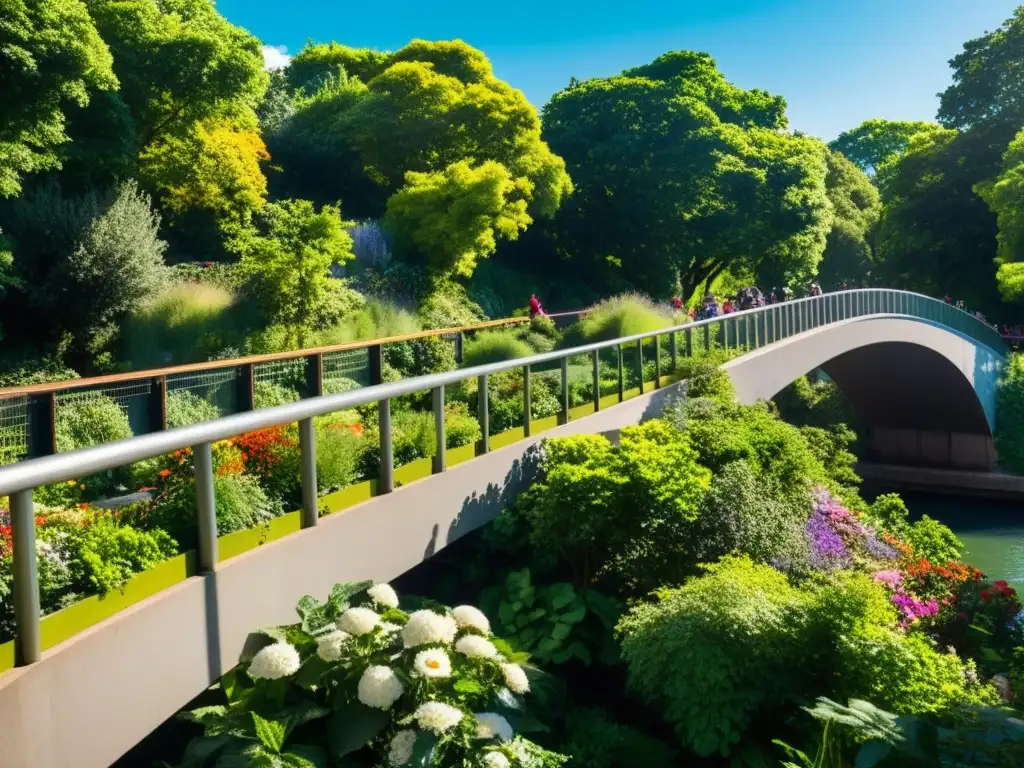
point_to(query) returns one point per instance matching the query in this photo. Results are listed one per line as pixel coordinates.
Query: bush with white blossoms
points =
(360, 681)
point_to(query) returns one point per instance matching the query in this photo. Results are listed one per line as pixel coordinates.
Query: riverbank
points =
(991, 486)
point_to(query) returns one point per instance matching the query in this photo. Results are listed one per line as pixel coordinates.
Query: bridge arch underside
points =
(926, 394)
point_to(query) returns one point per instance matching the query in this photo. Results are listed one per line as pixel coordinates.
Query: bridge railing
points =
(748, 329)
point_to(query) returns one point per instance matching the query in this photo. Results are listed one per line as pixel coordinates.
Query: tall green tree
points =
(314, 64)
(1005, 196)
(876, 142)
(288, 260)
(454, 218)
(680, 175)
(422, 109)
(856, 207)
(53, 58)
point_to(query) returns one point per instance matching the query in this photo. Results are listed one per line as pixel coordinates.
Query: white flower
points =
(358, 621)
(330, 646)
(496, 760)
(490, 725)
(428, 627)
(432, 662)
(275, 661)
(379, 687)
(389, 628)
(401, 747)
(383, 594)
(475, 646)
(466, 616)
(437, 717)
(515, 678)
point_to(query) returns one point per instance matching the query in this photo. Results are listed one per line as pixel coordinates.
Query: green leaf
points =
(423, 751)
(561, 594)
(352, 726)
(561, 631)
(575, 615)
(311, 671)
(202, 749)
(271, 733)
(306, 756)
(342, 594)
(205, 716)
(469, 686)
(231, 684)
(304, 712)
(506, 614)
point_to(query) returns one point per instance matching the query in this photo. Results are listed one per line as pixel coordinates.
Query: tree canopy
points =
(54, 58)
(876, 142)
(679, 175)
(856, 207)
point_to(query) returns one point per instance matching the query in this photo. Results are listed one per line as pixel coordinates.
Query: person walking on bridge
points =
(535, 307)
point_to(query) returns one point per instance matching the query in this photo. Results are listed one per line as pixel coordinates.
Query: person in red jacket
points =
(535, 307)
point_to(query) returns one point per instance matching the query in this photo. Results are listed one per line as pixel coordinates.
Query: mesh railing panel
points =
(13, 429)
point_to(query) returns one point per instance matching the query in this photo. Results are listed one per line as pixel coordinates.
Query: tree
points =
(936, 236)
(856, 207)
(53, 57)
(429, 106)
(311, 66)
(453, 218)
(83, 262)
(679, 178)
(1005, 196)
(876, 142)
(209, 181)
(988, 81)
(179, 62)
(288, 261)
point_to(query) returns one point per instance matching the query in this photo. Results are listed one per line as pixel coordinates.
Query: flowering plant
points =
(360, 678)
(837, 538)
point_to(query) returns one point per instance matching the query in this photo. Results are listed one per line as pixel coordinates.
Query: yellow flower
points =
(71, 482)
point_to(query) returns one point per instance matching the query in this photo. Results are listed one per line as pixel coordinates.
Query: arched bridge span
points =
(926, 391)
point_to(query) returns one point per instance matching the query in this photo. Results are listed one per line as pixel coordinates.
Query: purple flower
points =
(828, 551)
(879, 549)
(913, 609)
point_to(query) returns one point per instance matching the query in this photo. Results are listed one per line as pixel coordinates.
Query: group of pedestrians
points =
(745, 298)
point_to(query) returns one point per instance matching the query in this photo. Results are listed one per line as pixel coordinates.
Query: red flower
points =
(984, 594)
(1001, 584)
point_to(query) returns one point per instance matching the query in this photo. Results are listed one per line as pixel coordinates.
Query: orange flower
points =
(164, 473)
(83, 506)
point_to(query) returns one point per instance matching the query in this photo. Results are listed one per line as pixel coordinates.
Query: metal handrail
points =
(751, 328)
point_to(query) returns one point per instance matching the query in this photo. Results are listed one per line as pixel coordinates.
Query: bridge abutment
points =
(932, 448)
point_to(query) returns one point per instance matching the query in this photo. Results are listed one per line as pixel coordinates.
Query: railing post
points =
(376, 358)
(622, 375)
(564, 395)
(387, 453)
(246, 393)
(315, 374)
(156, 403)
(459, 344)
(688, 337)
(526, 401)
(307, 455)
(484, 414)
(707, 338)
(640, 363)
(440, 439)
(28, 645)
(597, 379)
(657, 361)
(206, 506)
(723, 323)
(42, 415)
(675, 351)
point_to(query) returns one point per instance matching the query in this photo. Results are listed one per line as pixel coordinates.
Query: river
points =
(992, 532)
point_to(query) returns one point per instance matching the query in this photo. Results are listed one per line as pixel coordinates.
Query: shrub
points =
(339, 456)
(400, 685)
(82, 423)
(493, 347)
(184, 408)
(927, 538)
(815, 404)
(378, 319)
(1010, 415)
(742, 512)
(624, 315)
(718, 651)
(449, 306)
(906, 674)
(621, 510)
(544, 326)
(183, 323)
(595, 740)
(267, 394)
(505, 398)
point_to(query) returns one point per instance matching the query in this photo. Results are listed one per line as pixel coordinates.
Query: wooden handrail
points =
(212, 365)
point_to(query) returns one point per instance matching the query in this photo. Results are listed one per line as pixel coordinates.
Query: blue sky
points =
(837, 62)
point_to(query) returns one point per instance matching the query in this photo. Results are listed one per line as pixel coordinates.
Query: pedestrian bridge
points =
(84, 685)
